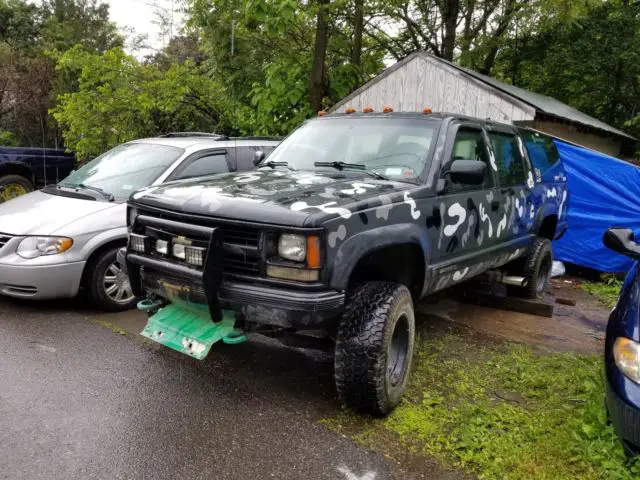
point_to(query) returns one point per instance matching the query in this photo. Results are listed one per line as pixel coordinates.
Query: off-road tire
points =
(94, 283)
(535, 267)
(15, 179)
(366, 379)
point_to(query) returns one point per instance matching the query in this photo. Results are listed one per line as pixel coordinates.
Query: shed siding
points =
(425, 82)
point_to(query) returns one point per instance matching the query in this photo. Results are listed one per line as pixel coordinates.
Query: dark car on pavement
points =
(622, 347)
(24, 169)
(348, 222)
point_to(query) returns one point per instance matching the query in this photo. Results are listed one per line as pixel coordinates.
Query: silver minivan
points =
(65, 237)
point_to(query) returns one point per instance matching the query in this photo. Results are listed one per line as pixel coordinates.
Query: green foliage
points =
(8, 139)
(606, 291)
(503, 412)
(119, 99)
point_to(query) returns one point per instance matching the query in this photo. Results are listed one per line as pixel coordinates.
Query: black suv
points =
(347, 223)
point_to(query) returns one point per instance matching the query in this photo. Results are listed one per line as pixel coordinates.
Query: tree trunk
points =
(317, 80)
(358, 26)
(450, 20)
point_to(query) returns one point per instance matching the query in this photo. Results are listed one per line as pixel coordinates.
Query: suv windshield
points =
(125, 169)
(397, 148)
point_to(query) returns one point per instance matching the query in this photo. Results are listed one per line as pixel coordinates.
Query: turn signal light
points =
(314, 258)
(367, 110)
(387, 109)
(349, 110)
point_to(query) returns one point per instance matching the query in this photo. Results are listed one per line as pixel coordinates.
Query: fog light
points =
(179, 251)
(195, 256)
(162, 247)
(297, 274)
(137, 243)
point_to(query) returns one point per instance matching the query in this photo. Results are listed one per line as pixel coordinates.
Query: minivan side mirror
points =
(258, 157)
(470, 172)
(621, 240)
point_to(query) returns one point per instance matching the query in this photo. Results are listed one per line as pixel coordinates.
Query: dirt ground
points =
(579, 328)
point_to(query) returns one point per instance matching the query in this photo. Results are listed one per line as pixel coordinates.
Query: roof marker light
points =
(349, 110)
(427, 110)
(367, 110)
(322, 113)
(387, 109)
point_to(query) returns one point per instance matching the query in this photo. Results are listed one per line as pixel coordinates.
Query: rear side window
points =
(509, 159)
(206, 165)
(542, 151)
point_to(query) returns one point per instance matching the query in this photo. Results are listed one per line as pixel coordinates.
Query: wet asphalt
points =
(80, 400)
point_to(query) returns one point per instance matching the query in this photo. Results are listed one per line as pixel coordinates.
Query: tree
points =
(119, 99)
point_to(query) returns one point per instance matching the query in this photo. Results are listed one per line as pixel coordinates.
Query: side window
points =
(244, 158)
(207, 165)
(509, 159)
(542, 151)
(469, 145)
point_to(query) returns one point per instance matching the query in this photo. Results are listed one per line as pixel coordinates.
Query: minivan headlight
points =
(292, 247)
(626, 354)
(33, 247)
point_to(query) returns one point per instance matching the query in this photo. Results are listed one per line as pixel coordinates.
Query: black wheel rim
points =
(399, 351)
(543, 276)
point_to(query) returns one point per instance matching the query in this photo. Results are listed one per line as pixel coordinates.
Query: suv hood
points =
(38, 213)
(270, 196)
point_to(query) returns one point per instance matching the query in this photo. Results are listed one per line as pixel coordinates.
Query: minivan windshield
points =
(124, 169)
(397, 148)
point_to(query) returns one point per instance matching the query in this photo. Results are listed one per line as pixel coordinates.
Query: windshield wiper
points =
(354, 166)
(108, 196)
(272, 164)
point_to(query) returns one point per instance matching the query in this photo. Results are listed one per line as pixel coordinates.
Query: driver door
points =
(463, 223)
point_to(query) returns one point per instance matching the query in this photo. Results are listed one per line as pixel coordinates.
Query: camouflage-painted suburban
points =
(351, 219)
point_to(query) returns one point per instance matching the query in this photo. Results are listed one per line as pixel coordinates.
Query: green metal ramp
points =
(188, 328)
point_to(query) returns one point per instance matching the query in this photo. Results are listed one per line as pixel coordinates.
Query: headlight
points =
(32, 247)
(626, 354)
(292, 247)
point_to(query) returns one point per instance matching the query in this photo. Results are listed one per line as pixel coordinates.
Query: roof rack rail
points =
(216, 136)
(259, 137)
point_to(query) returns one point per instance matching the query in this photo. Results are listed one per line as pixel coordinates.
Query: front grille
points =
(4, 239)
(240, 244)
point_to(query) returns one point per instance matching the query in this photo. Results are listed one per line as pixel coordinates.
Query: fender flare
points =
(22, 165)
(363, 243)
(545, 211)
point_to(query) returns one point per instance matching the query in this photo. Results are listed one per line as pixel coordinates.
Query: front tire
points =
(107, 284)
(374, 347)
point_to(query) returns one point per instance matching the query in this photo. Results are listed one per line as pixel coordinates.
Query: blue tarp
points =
(603, 192)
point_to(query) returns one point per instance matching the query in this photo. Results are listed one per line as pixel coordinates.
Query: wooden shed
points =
(422, 80)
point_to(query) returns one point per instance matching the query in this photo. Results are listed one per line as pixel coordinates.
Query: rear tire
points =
(374, 347)
(12, 186)
(536, 269)
(107, 285)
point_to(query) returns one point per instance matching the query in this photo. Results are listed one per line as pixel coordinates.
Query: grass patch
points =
(606, 292)
(501, 412)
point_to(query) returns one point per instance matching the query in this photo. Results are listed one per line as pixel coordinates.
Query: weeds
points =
(502, 412)
(606, 291)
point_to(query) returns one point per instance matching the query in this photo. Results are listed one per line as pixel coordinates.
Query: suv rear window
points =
(542, 151)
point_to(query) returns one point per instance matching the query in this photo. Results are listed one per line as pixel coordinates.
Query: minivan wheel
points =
(374, 347)
(108, 285)
(536, 269)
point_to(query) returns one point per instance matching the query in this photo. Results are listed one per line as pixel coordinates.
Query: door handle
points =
(495, 205)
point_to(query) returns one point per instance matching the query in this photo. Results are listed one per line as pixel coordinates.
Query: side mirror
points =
(621, 240)
(258, 157)
(470, 172)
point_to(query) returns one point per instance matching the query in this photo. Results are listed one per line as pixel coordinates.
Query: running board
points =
(189, 329)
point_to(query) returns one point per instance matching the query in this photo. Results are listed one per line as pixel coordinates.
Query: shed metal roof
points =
(541, 103)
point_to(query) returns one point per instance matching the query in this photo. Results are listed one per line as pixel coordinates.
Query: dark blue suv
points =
(622, 347)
